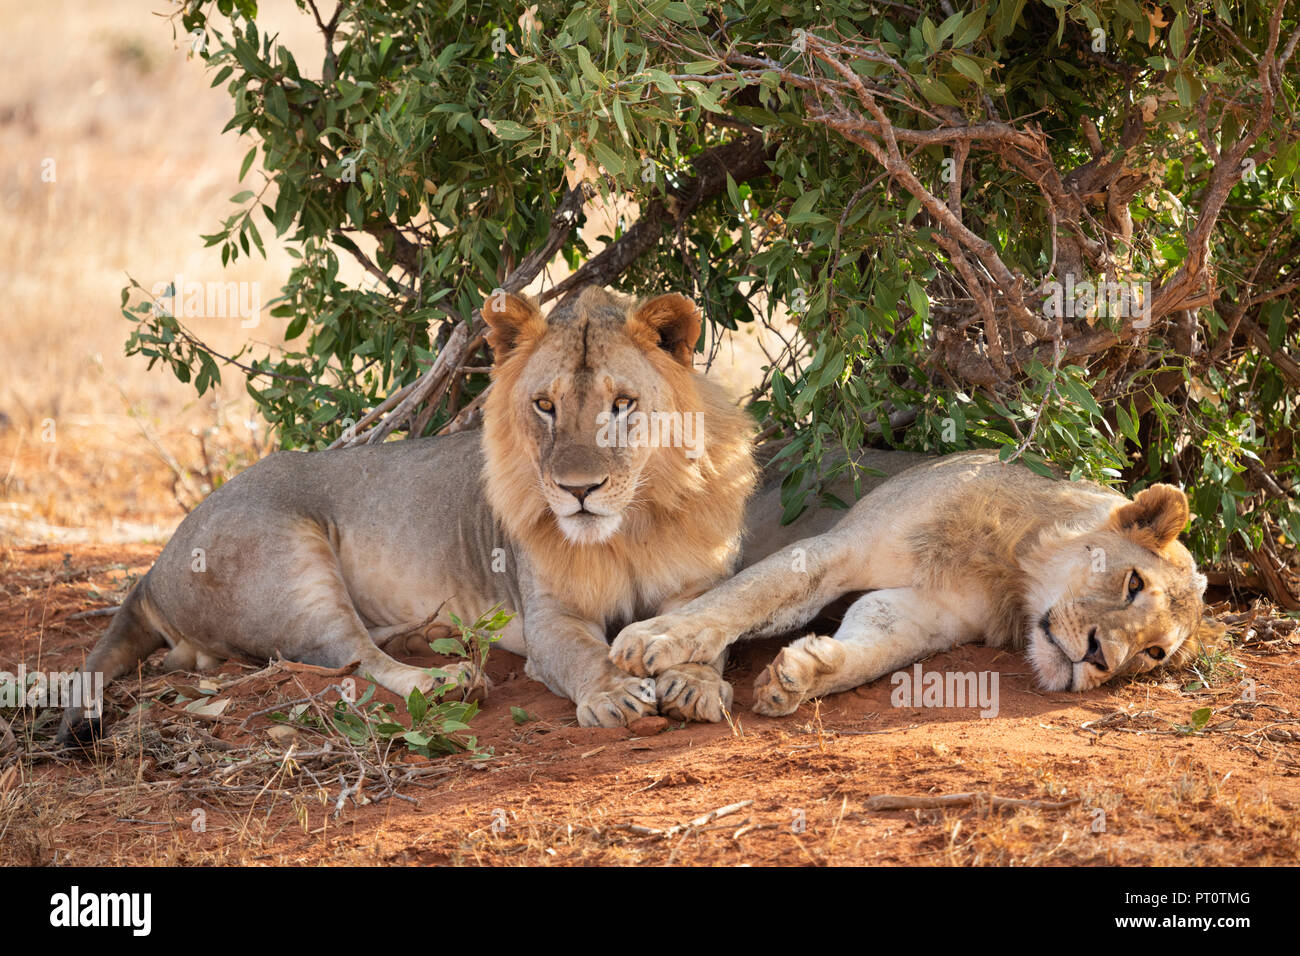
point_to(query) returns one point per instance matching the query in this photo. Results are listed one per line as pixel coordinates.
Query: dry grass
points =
(99, 99)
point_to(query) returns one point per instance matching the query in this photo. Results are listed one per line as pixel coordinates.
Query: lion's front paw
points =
(619, 705)
(653, 646)
(796, 674)
(693, 692)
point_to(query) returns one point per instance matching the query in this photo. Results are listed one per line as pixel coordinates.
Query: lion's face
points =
(1120, 600)
(593, 393)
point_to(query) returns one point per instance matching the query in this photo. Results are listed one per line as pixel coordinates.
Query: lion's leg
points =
(569, 655)
(785, 590)
(372, 663)
(472, 682)
(319, 625)
(881, 632)
(311, 618)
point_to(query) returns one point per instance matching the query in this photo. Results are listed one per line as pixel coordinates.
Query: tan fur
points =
(953, 550)
(323, 557)
(683, 528)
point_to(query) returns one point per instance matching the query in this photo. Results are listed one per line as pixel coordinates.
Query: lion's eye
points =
(1156, 653)
(1135, 585)
(623, 405)
(544, 405)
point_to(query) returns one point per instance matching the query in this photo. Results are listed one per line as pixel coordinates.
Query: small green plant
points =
(521, 716)
(1216, 666)
(473, 643)
(438, 726)
(1200, 718)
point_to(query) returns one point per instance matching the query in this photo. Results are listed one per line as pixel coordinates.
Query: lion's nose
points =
(582, 491)
(1095, 657)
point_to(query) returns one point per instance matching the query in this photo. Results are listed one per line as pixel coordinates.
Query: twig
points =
(894, 801)
(430, 386)
(700, 821)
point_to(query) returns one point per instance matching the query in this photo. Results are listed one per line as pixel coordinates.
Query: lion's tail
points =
(129, 639)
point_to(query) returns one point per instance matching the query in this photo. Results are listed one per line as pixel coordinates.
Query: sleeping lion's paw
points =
(619, 705)
(653, 646)
(796, 674)
(693, 692)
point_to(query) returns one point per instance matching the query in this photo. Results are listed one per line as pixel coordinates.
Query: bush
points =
(1064, 229)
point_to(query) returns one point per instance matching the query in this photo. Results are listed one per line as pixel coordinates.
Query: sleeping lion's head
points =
(597, 424)
(1118, 600)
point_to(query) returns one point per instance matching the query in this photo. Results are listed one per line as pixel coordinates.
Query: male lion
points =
(952, 550)
(323, 557)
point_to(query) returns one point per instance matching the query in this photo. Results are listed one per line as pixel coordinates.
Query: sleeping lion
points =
(951, 550)
(567, 509)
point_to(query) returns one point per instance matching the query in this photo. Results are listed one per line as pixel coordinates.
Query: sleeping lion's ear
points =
(512, 321)
(1155, 517)
(669, 322)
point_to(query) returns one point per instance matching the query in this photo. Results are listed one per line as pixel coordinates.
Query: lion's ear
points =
(512, 321)
(669, 322)
(1155, 517)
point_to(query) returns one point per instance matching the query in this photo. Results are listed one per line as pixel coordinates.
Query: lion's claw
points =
(630, 699)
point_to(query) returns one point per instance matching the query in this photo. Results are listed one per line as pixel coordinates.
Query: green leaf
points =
(969, 69)
(930, 35)
(1178, 35)
(417, 705)
(612, 162)
(510, 131)
(1276, 313)
(918, 300)
(447, 645)
(936, 92)
(593, 75)
(802, 207)
(971, 26)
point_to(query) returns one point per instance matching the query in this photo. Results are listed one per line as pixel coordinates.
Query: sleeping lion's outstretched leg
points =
(785, 590)
(882, 632)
